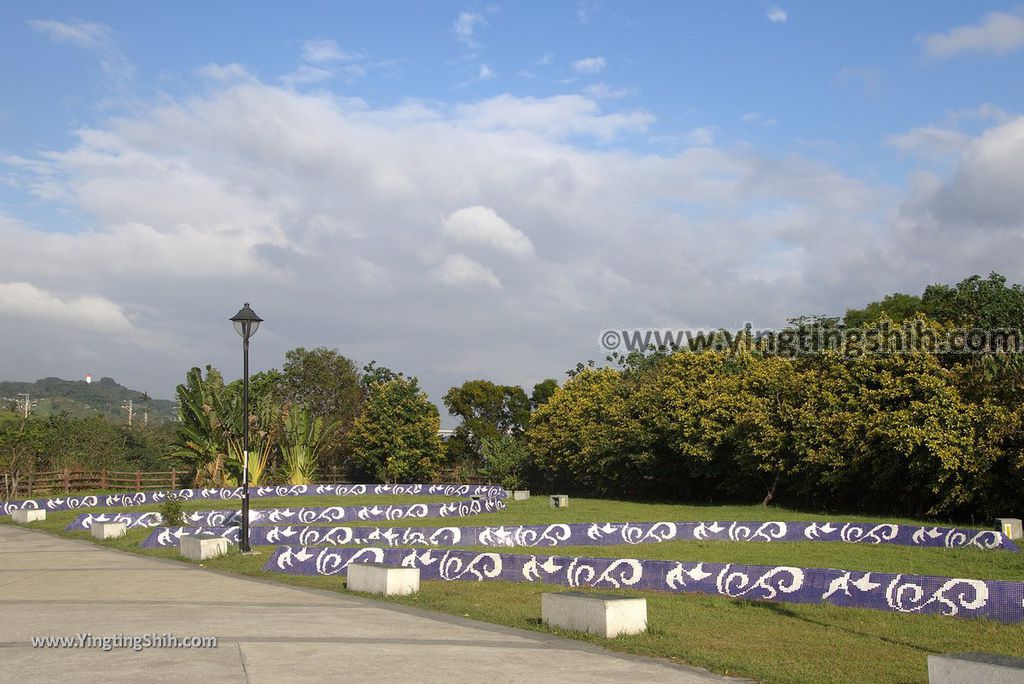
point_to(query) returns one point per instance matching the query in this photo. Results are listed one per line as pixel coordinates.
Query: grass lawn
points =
(770, 642)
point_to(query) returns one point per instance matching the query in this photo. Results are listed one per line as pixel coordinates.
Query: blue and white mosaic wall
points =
(143, 498)
(302, 516)
(591, 534)
(995, 600)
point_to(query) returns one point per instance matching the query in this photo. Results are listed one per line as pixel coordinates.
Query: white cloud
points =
(589, 65)
(998, 33)
(703, 136)
(482, 225)
(603, 91)
(986, 187)
(459, 269)
(97, 38)
(560, 116)
(309, 202)
(224, 72)
(23, 300)
(486, 73)
(465, 27)
(306, 75)
(323, 51)
(84, 34)
(752, 118)
(948, 138)
(930, 141)
(776, 15)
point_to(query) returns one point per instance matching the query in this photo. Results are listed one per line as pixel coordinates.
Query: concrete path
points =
(267, 632)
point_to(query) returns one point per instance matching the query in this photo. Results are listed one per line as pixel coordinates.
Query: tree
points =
(324, 382)
(573, 438)
(22, 449)
(897, 306)
(377, 375)
(976, 302)
(507, 462)
(395, 438)
(488, 412)
(543, 391)
(90, 443)
(988, 304)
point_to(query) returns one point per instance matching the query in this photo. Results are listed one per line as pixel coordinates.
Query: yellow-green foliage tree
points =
(575, 433)
(892, 431)
(395, 438)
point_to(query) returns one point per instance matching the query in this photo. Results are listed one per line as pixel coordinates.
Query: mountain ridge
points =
(80, 398)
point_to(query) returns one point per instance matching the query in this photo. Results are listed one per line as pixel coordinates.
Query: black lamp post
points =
(246, 323)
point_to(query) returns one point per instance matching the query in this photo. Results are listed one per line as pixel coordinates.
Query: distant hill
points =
(81, 399)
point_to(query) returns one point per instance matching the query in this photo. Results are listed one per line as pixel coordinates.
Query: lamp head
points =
(246, 322)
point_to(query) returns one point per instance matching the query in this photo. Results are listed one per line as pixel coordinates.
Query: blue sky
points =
(476, 190)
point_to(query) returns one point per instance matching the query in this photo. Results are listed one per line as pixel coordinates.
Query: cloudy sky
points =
(471, 190)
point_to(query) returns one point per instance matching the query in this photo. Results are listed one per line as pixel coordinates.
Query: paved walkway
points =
(267, 632)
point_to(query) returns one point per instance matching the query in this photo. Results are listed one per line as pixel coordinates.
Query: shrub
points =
(172, 512)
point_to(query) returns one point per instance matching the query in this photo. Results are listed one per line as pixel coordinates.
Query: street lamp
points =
(246, 323)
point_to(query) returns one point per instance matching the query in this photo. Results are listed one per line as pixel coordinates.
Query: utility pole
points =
(129, 406)
(27, 404)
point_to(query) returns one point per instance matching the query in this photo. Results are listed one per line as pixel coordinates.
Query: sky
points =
(465, 190)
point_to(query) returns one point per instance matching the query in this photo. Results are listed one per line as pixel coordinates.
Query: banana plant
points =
(264, 426)
(200, 443)
(301, 440)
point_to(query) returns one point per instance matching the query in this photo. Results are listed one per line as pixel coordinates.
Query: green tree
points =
(488, 412)
(324, 382)
(507, 462)
(22, 449)
(543, 391)
(395, 438)
(976, 302)
(377, 375)
(573, 437)
(90, 443)
(897, 306)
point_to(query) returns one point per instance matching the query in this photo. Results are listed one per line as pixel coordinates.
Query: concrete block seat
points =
(25, 516)
(381, 578)
(108, 530)
(975, 668)
(603, 614)
(202, 547)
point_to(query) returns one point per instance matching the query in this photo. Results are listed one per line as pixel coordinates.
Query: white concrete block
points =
(381, 578)
(559, 500)
(975, 668)
(108, 530)
(202, 547)
(1011, 527)
(601, 614)
(28, 515)
(521, 494)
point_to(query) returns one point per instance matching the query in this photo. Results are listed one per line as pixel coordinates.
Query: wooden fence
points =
(68, 481)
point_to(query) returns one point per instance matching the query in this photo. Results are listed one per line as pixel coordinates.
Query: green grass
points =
(770, 642)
